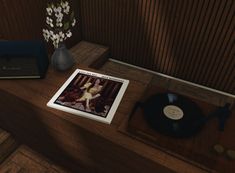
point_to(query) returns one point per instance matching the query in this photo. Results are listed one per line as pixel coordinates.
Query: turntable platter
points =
(173, 115)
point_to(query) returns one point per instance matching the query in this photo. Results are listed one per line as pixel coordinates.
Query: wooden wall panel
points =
(24, 20)
(191, 40)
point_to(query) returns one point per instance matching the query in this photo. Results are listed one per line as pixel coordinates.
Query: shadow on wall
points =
(190, 40)
(138, 32)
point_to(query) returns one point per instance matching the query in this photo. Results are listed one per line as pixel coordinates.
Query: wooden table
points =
(81, 144)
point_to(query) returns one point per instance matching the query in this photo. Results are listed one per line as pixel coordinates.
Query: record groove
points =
(173, 115)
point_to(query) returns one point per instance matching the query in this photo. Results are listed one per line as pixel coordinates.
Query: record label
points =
(173, 112)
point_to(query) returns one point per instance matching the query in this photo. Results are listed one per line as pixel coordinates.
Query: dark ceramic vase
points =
(62, 59)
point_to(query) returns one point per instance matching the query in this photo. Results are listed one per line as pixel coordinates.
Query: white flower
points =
(61, 35)
(58, 13)
(59, 24)
(66, 10)
(46, 34)
(49, 11)
(55, 39)
(51, 35)
(56, 45)
(68, 34)
(74, 22)
(57, 9)
(49, 21)
(59, 20)
(59, 17)
(65, 6)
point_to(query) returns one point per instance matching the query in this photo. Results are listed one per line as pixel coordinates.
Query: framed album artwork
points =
(91, 95)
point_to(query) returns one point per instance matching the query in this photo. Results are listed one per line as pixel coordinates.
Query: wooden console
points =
(81, 144)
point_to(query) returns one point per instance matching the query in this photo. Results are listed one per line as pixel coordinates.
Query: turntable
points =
(182, 126)
(173, 114)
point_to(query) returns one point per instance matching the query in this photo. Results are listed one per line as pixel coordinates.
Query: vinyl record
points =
(173, 115)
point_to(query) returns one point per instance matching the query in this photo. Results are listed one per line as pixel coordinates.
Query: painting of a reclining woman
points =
(90, 94)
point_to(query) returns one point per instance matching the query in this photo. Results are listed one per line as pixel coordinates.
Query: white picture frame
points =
(92, 95)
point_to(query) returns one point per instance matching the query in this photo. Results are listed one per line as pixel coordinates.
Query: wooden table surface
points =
(78, 143)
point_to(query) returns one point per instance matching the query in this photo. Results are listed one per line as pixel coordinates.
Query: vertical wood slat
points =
(191, 40)
(219, 38)
(24, 20)
(192, 36)
(167, 37)
(173, 27)
(208, 45)
(197, 46)
(201, 27)
(158, 35)
(227, 48)
(21, 19)
(177, 39)
(181, 45)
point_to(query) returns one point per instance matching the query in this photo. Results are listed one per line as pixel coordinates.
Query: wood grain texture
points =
(75, 142)
(7, 144)
(192, 40)
(60, 136)
(90, 54)
(25, 160)
(80, 144)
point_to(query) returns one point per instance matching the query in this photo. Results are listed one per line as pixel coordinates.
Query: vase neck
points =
(61, 46)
